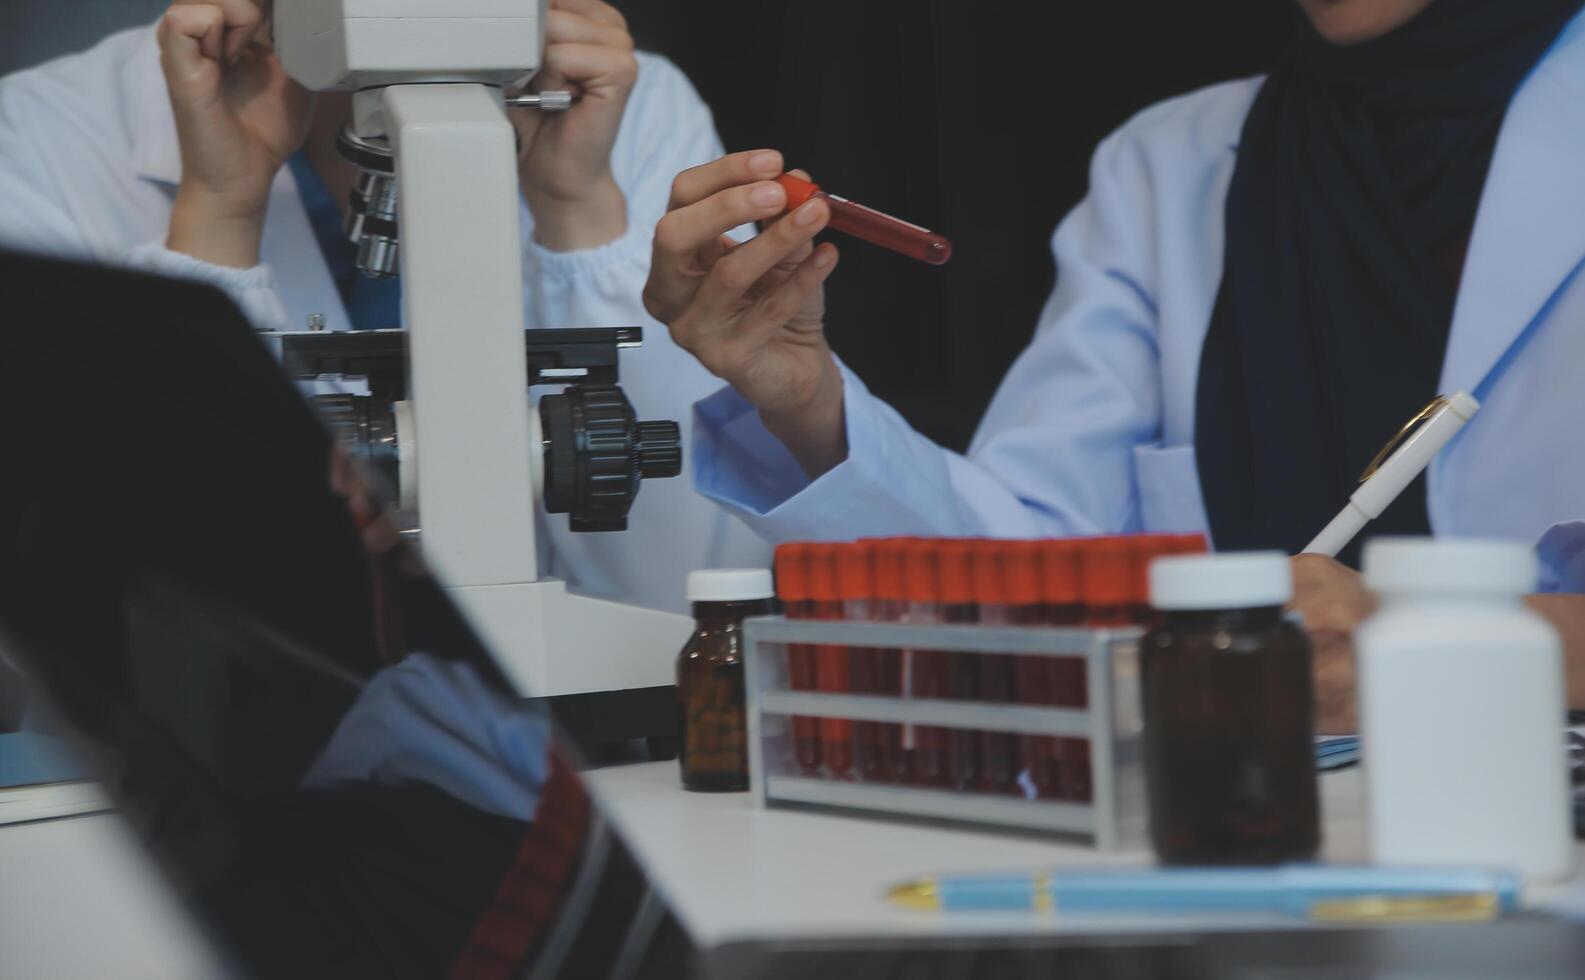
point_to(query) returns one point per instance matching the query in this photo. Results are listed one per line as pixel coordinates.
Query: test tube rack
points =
(1113, 818)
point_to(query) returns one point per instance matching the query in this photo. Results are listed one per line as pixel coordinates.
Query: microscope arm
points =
(462, 289)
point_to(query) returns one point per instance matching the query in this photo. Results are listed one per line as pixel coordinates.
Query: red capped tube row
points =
(1077, 582)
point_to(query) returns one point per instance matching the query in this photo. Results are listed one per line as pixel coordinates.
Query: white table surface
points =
(79, 898)
(732, 871)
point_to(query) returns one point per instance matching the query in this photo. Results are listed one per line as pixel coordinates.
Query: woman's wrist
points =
(816, 431)
(589, 220)
(214, 229)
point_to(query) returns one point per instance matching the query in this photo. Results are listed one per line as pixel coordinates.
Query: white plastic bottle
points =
(1462, 710)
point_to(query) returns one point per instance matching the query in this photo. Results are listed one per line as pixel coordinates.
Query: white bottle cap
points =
(1241, 580)
(1471, 566)
(730, 585)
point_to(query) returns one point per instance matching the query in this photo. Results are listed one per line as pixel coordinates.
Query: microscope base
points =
(606, 670)
(551, 642)
(609, 726)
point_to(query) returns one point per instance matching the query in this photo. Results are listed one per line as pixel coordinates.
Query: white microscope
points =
(473, 456)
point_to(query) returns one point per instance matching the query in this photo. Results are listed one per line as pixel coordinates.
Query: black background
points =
(976, 119)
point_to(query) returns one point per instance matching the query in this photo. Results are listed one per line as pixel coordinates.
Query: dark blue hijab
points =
(1359, 172)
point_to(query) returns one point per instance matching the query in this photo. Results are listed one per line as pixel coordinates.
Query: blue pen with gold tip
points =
(1313, 892)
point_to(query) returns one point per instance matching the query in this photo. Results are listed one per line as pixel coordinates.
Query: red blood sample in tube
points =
(1021, 568)
(991, 567)
(1062, 592)
(1021, 571)
(924, 671)
(957, 606)
(1061, 582)
(1107, 578)
(1147, 548)
(792, 586)
(888, 558)
(856, 585)
(869, 224)
(831, 661)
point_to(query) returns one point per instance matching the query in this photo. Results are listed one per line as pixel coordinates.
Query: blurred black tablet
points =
(321, 757)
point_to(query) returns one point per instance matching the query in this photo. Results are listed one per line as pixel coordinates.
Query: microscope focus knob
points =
(597, 453)
(659, 450)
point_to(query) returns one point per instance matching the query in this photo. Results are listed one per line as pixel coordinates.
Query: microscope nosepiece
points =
(371, 215)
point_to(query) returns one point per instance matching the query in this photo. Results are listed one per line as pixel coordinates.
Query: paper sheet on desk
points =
(41, 778)
(31, 758)
(1336, 751)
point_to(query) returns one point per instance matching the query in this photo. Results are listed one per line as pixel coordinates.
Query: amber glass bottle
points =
(710, 677)
(1229, 720)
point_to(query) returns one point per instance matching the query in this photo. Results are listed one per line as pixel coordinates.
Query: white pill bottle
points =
(1462, 709)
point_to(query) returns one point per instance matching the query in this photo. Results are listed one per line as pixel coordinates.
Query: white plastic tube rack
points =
(1114, 817)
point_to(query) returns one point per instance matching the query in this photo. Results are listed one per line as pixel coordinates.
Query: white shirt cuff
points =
(739, 464)
(251, 289)
(541, 263)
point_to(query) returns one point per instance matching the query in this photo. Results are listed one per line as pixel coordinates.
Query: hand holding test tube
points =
(753, 312)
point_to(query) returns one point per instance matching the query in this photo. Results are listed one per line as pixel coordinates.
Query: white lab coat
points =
(1093, 427)
(89, 165)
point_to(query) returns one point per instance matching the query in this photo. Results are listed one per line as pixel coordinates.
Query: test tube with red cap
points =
(1106, 578)
(871, 225)
(1147, 548)
(1061, 588)
(831, 661)
(792, 587)
(1022, 563)
(1051, 681)
(856, 584)
(924, 671)
(989, 570)
(1069, 605)
(889, 556)
(1000, 603)
(957, 606)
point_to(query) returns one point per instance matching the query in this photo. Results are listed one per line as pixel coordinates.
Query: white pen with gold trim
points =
(1424, 437)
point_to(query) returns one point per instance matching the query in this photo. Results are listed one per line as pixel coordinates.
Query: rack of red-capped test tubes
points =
(906, 710)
